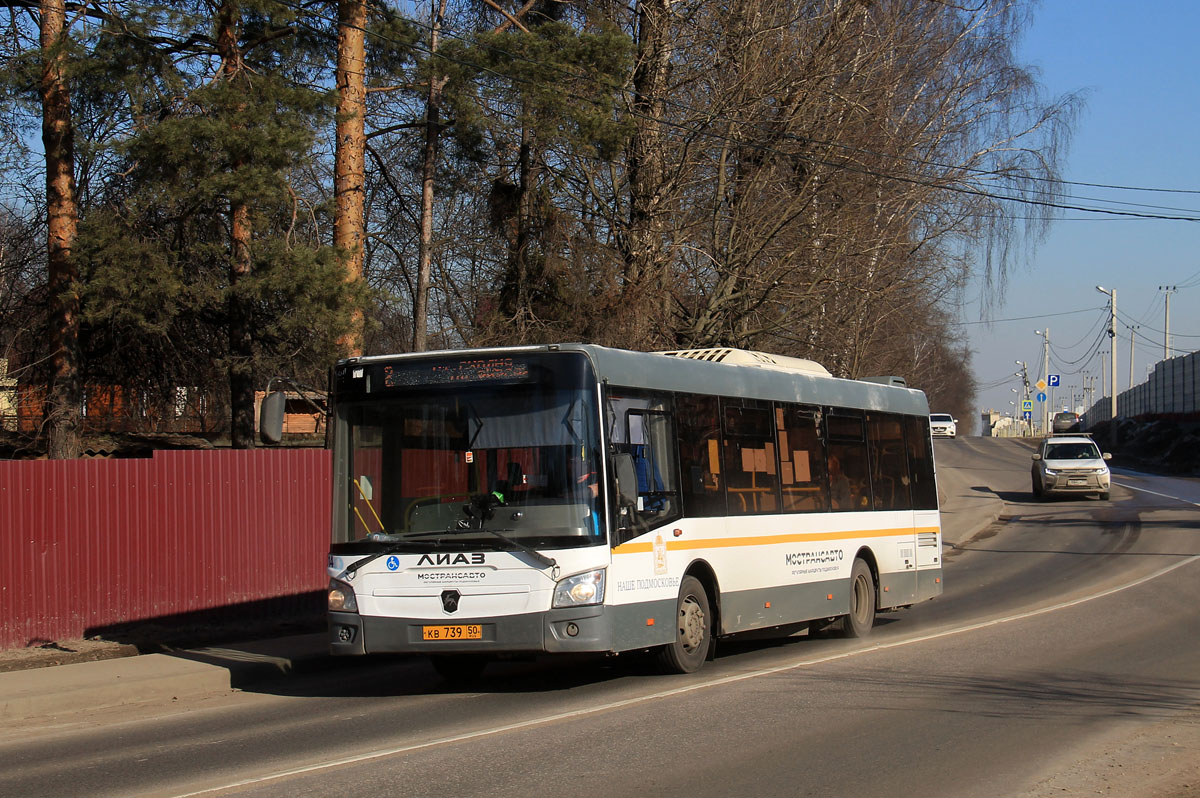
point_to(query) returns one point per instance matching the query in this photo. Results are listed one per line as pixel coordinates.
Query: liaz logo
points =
(451, 559)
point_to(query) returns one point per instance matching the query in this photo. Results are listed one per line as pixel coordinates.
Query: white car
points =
(1070, 464)
(943, 425)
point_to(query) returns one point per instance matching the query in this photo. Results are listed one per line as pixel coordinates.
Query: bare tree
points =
(429, 164)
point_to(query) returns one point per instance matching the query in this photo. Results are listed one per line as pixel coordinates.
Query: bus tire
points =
(458, 667)
(693, 630)
(861, 618)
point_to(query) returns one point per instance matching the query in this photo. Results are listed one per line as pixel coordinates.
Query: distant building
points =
(997, 425)
(989, 420)
(304, 412)
(8, 398)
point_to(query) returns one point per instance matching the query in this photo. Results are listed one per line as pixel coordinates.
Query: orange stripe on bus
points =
(768, 540)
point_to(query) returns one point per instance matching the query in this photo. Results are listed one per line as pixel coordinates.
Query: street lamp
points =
(1112, 368)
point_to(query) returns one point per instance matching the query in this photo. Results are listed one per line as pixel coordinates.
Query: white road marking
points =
(525, 724)
(1156, 493)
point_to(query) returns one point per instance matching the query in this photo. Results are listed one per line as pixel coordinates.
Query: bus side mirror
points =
(626, 478)
(270, 417)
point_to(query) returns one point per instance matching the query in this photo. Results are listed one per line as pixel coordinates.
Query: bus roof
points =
(746, 374)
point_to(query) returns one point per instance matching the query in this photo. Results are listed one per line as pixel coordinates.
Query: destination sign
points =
(446, 372)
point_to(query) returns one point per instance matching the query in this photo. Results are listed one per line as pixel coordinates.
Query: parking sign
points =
(1053, 380)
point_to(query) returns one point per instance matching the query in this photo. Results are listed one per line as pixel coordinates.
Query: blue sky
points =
(1139, 126)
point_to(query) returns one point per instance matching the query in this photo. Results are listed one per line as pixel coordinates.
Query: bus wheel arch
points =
(866, 555)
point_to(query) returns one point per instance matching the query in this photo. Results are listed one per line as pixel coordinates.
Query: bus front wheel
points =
(861, 618)
(693, 630)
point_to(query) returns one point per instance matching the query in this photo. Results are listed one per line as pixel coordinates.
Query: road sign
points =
(1054, 380)
(1027, 415)
(1041, 385)
(1041, 397)
(1027, 405)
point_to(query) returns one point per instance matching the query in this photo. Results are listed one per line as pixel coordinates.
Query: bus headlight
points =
(579, 590)
(341, 597)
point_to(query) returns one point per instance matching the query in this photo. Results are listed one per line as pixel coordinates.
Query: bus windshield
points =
(472, 466)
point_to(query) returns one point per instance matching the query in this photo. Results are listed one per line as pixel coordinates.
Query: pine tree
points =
(226, 260)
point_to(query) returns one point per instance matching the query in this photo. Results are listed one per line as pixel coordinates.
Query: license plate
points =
(471, 631)
(1077, 481)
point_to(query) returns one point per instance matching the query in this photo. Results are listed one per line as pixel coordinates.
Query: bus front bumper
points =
(571, 630)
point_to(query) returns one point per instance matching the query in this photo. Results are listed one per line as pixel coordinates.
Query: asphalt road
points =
(1063, 659)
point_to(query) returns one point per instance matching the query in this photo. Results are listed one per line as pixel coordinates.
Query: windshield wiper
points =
(548, 562)
(395, 548)
(480, 509)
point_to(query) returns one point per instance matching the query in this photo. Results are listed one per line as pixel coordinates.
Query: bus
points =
(503, 502)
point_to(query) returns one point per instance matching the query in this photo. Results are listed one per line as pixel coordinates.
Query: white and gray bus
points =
(578, 498)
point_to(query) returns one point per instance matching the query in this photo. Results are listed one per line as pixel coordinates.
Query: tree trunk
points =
(58, 139)
(433, 131)
(348, 224)
(241, 331)
(644, 258)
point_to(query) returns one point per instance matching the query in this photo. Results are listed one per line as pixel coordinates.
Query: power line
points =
(1153, 329)
(1031, 318)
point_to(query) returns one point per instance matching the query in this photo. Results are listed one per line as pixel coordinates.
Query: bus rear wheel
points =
(693, 630)
(861, 618)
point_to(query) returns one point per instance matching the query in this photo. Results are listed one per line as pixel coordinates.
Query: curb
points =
(86, 686)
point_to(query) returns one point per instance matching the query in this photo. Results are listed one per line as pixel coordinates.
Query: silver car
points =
(1067, 464)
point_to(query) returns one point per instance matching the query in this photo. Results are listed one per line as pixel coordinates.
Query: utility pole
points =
(1046, 375)
(1112, 369)
(1024, 375)
(1168, 290)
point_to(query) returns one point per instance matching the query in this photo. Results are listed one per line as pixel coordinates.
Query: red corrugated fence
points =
(91, 543)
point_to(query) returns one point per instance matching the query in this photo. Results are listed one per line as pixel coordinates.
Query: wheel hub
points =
(691, 624)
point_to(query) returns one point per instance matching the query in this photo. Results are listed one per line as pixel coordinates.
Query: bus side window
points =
(751, 467)
(642, 428)
(802, 459)
(849, 472)
(889, 463)
(699, 422)
(920, 463)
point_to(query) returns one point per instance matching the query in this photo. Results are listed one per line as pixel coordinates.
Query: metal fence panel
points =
(90, 543)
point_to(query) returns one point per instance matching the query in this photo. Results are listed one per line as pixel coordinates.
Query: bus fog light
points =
(572, 630)
(579, 590)
(345, 634)
(341, 597)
